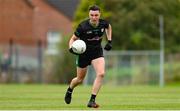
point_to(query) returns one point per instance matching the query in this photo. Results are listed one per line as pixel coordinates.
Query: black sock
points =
(93, 97)
(70, 89)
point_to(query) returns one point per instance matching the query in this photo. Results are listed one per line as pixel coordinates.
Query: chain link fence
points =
(21, 64)
(136, 68)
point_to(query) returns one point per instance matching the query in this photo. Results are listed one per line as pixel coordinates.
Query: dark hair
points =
(94, 8)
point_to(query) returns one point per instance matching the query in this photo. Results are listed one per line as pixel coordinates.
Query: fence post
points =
(39, 52)
(161, 30)
(15, 77)
(11, 43)
(11, 48)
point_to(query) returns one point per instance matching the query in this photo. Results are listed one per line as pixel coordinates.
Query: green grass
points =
(51, 97)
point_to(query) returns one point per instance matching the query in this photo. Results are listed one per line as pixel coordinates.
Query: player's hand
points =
(71, 51)
(108, 46)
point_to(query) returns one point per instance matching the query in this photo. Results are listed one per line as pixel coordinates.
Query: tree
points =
(135, 26)
(64, 63)
(136, 23)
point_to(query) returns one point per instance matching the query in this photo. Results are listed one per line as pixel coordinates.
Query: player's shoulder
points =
(103, 21)
(84, 22)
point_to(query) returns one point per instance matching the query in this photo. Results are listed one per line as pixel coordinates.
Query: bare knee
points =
(101, 75)
(79, 80)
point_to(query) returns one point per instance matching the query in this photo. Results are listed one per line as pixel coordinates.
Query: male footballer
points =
(91, 32)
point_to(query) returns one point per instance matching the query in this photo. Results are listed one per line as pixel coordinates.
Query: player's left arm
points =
(108, 30)
(109, 33)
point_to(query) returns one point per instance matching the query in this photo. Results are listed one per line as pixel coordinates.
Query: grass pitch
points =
(51, 97)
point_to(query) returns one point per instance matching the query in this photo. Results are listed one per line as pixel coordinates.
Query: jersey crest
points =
(102, 30)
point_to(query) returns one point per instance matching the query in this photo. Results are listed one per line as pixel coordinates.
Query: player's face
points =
(94, 16)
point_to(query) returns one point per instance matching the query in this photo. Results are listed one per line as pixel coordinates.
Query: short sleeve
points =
(78, 31)
(106, 24)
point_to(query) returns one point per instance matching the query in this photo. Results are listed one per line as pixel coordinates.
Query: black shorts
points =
(85, 59)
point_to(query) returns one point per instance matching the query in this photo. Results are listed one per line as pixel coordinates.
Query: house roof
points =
(67, 7)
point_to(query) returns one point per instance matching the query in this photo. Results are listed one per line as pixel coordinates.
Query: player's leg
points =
(99, 66)
(81, 72)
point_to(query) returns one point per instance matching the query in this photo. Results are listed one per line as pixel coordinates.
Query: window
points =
(53, 38)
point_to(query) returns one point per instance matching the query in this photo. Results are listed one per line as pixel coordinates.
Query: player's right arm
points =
(73, 38)
(78, 32)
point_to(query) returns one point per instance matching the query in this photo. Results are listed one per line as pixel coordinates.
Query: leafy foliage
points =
(136, 23)
(135, 26)
(64, 66)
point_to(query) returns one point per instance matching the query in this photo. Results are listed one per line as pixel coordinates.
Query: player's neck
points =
(94, 24)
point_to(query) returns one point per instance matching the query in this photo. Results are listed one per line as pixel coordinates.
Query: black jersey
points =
(91, 35)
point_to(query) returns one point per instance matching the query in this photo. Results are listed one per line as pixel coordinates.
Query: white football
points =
(79, 46)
